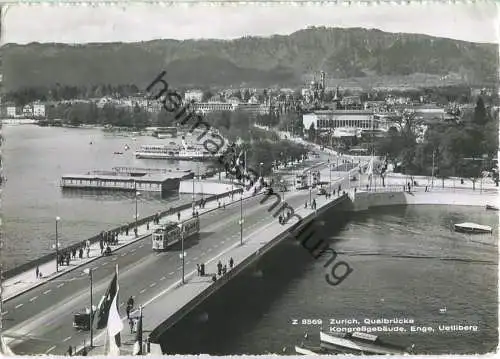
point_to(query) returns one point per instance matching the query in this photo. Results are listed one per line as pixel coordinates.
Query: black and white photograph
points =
(266, 178)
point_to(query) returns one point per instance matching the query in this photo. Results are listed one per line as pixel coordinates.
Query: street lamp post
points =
(57, 245)
(330, 174)
(432, 174)
(310, 188)
(137, 194)
(91, 317)
(183, 255)
(283, 188)
(241, 217)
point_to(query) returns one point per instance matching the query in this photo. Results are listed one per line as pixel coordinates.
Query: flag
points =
(4, 348)
(105, 303)
(138, 337)
(108, 316)
(115, 326)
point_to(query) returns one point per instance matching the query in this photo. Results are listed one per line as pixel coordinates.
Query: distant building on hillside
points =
(38, 109)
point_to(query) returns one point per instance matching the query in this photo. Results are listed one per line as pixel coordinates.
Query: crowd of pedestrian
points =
(221, 269)
(106, 239)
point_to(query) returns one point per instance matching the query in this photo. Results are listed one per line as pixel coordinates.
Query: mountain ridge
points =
(254, 61)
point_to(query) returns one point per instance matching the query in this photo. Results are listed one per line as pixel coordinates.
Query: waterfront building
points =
(330, 119)
(213, 106)
(38, 109)
(11, 111)
(104, 101)
(193, 95)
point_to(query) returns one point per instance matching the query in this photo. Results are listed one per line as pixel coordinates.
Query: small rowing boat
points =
(469, 227)
(491, 208)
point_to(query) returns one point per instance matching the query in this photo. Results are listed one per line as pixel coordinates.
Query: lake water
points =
(407, 264)
(35, 158)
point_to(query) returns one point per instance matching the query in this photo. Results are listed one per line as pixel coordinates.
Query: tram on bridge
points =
(166, 234)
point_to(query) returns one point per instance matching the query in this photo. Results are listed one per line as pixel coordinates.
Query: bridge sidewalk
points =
(177, 295)
(25, 281)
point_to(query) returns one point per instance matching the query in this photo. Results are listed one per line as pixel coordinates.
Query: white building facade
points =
(332, 119)
(193, 95)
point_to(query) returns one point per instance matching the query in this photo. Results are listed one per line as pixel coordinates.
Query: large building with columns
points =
(349, 119)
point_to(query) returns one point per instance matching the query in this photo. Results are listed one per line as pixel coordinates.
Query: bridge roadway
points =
(41, 319)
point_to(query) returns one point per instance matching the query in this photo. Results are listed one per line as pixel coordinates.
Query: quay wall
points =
(51, 256)
(363, 201)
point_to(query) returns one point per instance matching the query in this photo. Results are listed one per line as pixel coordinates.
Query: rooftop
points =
(117, 176)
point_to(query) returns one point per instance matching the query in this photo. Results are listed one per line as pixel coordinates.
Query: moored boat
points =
(469, 227)
(309, 350)
(358, 342)
(491, 208)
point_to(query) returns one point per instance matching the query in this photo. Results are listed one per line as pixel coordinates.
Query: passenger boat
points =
(491, 208)
(165, 152)
(169, 233)
(469, 227)
(358, 342)
(309, 350)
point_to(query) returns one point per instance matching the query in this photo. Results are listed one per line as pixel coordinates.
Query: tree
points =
(311, 134)
(480, 115)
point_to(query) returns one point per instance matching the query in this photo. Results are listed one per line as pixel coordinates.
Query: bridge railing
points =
(420, 188)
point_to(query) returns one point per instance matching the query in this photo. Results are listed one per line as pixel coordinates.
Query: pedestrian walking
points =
(224, 269)
(178, 216)
(37, 272)
(80, 253)
(88, 252)
(126, 231)
(130, 305)
(67, 260)
(101, 245)
(73, 253)
(198, 268)
(231, 263)
(219, 268)
(70, 351)
(131, 324)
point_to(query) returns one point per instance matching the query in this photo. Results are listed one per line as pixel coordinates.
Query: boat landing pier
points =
(132, 181)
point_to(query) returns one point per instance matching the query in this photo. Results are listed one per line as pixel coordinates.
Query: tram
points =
(166, 234)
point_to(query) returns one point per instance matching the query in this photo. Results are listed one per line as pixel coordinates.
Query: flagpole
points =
(140, 336)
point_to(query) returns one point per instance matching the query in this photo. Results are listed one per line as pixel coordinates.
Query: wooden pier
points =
(125, 181)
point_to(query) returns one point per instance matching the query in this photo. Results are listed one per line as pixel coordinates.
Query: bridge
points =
(39, 312)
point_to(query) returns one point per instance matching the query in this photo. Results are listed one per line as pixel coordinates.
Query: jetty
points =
(133, 179)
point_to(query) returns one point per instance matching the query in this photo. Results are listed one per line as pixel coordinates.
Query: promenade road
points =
(42, 318)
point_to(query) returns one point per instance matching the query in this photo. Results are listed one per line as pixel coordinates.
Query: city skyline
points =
(476, 22)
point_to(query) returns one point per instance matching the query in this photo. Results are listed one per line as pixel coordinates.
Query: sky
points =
(471, 21)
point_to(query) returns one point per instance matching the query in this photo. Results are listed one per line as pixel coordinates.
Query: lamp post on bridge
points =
(91, 317)
(182, 255)
(330, 174)
(241, 217)
(310, 188)
(57, 244)
(260, 169)
(137, 194)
